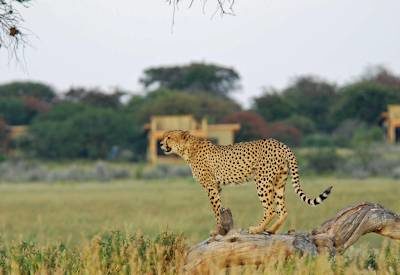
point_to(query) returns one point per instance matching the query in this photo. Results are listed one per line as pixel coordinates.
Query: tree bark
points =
(238, 247)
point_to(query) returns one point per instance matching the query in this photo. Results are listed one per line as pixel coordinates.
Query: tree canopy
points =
(194, 77)
(365, 101)
(95, 97)
(308, 97)
(20, 102)
(90, 132)
(171, 102)
(28, 88)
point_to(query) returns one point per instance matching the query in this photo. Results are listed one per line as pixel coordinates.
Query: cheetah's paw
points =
(255, 229)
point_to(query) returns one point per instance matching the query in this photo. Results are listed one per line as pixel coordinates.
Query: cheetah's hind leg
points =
(280, 200)
(265, 191)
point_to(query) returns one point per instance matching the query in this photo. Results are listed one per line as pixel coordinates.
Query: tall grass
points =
(109, 253)
(118, 253)
(69, 228)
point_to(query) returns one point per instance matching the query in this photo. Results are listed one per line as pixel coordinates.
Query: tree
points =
(285, 133)
(95, 97)
(366, 98)
(364, 101)
(305, 124)
(32, 89)
(308, 97)
(167, 102)
(382, 76)
(313, 98)
(272, 106)
(20, 102)
(252, 125)
(14, 111)
(66, 133)
(194, 77)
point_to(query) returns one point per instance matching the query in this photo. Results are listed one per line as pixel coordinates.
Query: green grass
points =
(74, 213)
(114, 228)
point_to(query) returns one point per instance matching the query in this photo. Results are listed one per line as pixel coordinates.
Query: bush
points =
(27, 171)
(252, 125)
(14, 111)
(364, 101)
(396, 173)
(286, 133)
(344, 133)
(317, 140)
(307, 96)
(163, 171)
(304, 124)
(89, 133)
(322, 160)
(371, 160)
(367, 135)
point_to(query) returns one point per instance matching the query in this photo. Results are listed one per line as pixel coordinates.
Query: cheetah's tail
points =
(292, 161)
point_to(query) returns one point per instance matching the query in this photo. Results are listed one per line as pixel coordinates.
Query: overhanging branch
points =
(12, 33)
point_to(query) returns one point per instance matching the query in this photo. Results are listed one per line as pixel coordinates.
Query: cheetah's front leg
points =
(215, 200)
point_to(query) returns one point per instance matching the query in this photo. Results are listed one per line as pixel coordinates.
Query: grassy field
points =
(114, 228)
(72, 213)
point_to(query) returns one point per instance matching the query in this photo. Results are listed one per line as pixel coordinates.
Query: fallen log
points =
(238, 247)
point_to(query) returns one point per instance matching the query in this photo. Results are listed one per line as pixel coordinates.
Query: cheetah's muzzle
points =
(166, 148)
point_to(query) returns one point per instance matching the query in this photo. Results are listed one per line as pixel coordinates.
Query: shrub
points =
(14, 111)
(364, 101)
(27, 171)
(322, 160)
(166, 171)
(371, 160)
(317, 140)
(396, 173)
(285, 133)
(89, 133)
(367, 135)
(252, 125)
(304, 124)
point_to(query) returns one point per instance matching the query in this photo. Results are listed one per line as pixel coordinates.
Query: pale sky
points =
(103, 43)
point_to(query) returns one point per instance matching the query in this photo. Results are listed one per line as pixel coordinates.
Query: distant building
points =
(18, 132)
(13, 133)
(222, 134)
(391, 121)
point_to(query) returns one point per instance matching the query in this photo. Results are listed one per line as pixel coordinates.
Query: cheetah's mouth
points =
(167, 150)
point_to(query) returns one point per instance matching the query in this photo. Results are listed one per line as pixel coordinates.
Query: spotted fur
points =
(266, 161)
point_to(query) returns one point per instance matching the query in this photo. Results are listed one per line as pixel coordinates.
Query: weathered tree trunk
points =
(239, 247)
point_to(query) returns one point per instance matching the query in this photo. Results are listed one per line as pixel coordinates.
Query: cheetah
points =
(266, 161)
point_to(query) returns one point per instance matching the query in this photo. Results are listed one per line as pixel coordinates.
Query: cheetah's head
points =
(174, 142)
